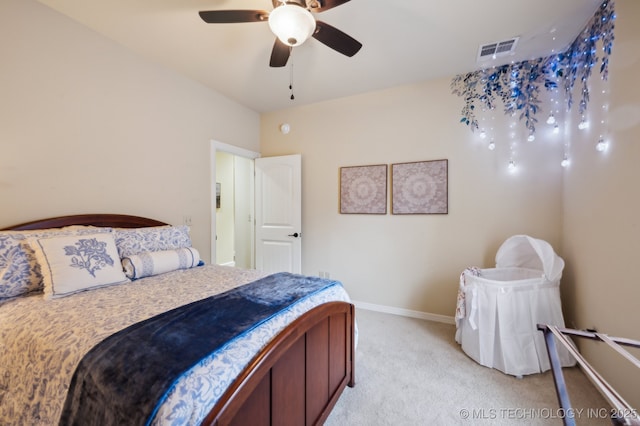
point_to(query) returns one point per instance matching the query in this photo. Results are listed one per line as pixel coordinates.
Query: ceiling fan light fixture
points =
(292, 24)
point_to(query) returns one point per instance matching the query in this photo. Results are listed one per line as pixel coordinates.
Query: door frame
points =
(215, 147)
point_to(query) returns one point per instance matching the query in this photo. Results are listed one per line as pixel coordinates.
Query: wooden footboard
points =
(298, 377)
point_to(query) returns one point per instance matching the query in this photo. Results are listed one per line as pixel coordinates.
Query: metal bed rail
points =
(621, 413)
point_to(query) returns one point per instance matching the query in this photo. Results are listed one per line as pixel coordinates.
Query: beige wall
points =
(601, 238)
(413, 262)
(86, 126)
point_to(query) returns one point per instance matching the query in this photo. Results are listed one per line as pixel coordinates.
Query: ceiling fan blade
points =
(336, 39)
(322, 5)
(279, 54)
(233, 16)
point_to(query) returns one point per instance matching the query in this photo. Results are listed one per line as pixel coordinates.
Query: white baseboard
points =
(405, 312)
(232, 263)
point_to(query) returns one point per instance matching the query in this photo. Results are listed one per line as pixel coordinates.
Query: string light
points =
(602, 145)
(567, 145)
(584, 124)
(512, 149)
(520, 85)
(551, 119)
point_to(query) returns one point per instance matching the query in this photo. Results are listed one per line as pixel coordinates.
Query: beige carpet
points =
(412, 372)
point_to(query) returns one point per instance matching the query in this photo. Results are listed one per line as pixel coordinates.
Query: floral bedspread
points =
(42, 341)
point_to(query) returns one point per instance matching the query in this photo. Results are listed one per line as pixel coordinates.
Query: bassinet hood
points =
(522, 251)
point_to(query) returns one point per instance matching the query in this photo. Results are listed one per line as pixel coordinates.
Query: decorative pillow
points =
(158, 262)
(19, 271)
(18, 274)
(154, 238)
(80, 262)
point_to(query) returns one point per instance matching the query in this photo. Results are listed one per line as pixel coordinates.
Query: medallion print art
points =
(420, 187)
(363, 189)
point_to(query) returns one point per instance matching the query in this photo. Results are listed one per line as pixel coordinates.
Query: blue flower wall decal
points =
(89, 254)
(518, 85)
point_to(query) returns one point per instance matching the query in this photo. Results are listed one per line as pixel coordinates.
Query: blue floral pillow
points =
(154, 238)
(79, 262)
(20, 273)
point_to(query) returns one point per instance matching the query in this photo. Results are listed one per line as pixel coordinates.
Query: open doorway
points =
(232, 195)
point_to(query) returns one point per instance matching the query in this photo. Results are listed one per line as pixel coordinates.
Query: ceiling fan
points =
(293, 23)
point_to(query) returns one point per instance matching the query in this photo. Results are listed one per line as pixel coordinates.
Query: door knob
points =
(295, 235)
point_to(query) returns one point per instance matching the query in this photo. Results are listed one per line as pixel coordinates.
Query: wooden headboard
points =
(113, 220)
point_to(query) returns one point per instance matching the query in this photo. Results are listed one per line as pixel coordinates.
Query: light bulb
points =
(551, 119)
(531, 137)
(512, 166)
(565, 162)
(492, 145)
(601, 145)
(292, 24)
(583, 124)
(483, 134)
(556, 129)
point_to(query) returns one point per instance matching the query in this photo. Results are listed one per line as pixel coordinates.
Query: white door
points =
(278, 187)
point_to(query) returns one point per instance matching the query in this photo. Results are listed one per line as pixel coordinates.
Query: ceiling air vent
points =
(495, 50)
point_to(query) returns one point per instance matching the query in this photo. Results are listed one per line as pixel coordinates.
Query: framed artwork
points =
(363, 189)
(420, 187)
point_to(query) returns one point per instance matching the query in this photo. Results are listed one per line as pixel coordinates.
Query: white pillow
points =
(19, 271)
(158, 262)
(75, 263)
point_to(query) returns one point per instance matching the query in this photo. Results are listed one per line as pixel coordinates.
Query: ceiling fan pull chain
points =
(291, 78)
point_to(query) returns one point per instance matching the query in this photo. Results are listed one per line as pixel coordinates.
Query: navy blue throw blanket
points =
(122, 379)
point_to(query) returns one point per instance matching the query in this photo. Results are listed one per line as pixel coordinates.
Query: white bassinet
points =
(499, 308)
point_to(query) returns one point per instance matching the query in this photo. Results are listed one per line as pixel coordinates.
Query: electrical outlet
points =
(186, 220)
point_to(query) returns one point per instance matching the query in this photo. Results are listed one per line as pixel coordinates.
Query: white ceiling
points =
(404, 41)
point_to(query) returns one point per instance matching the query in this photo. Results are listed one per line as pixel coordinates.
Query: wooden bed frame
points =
(295, 380)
